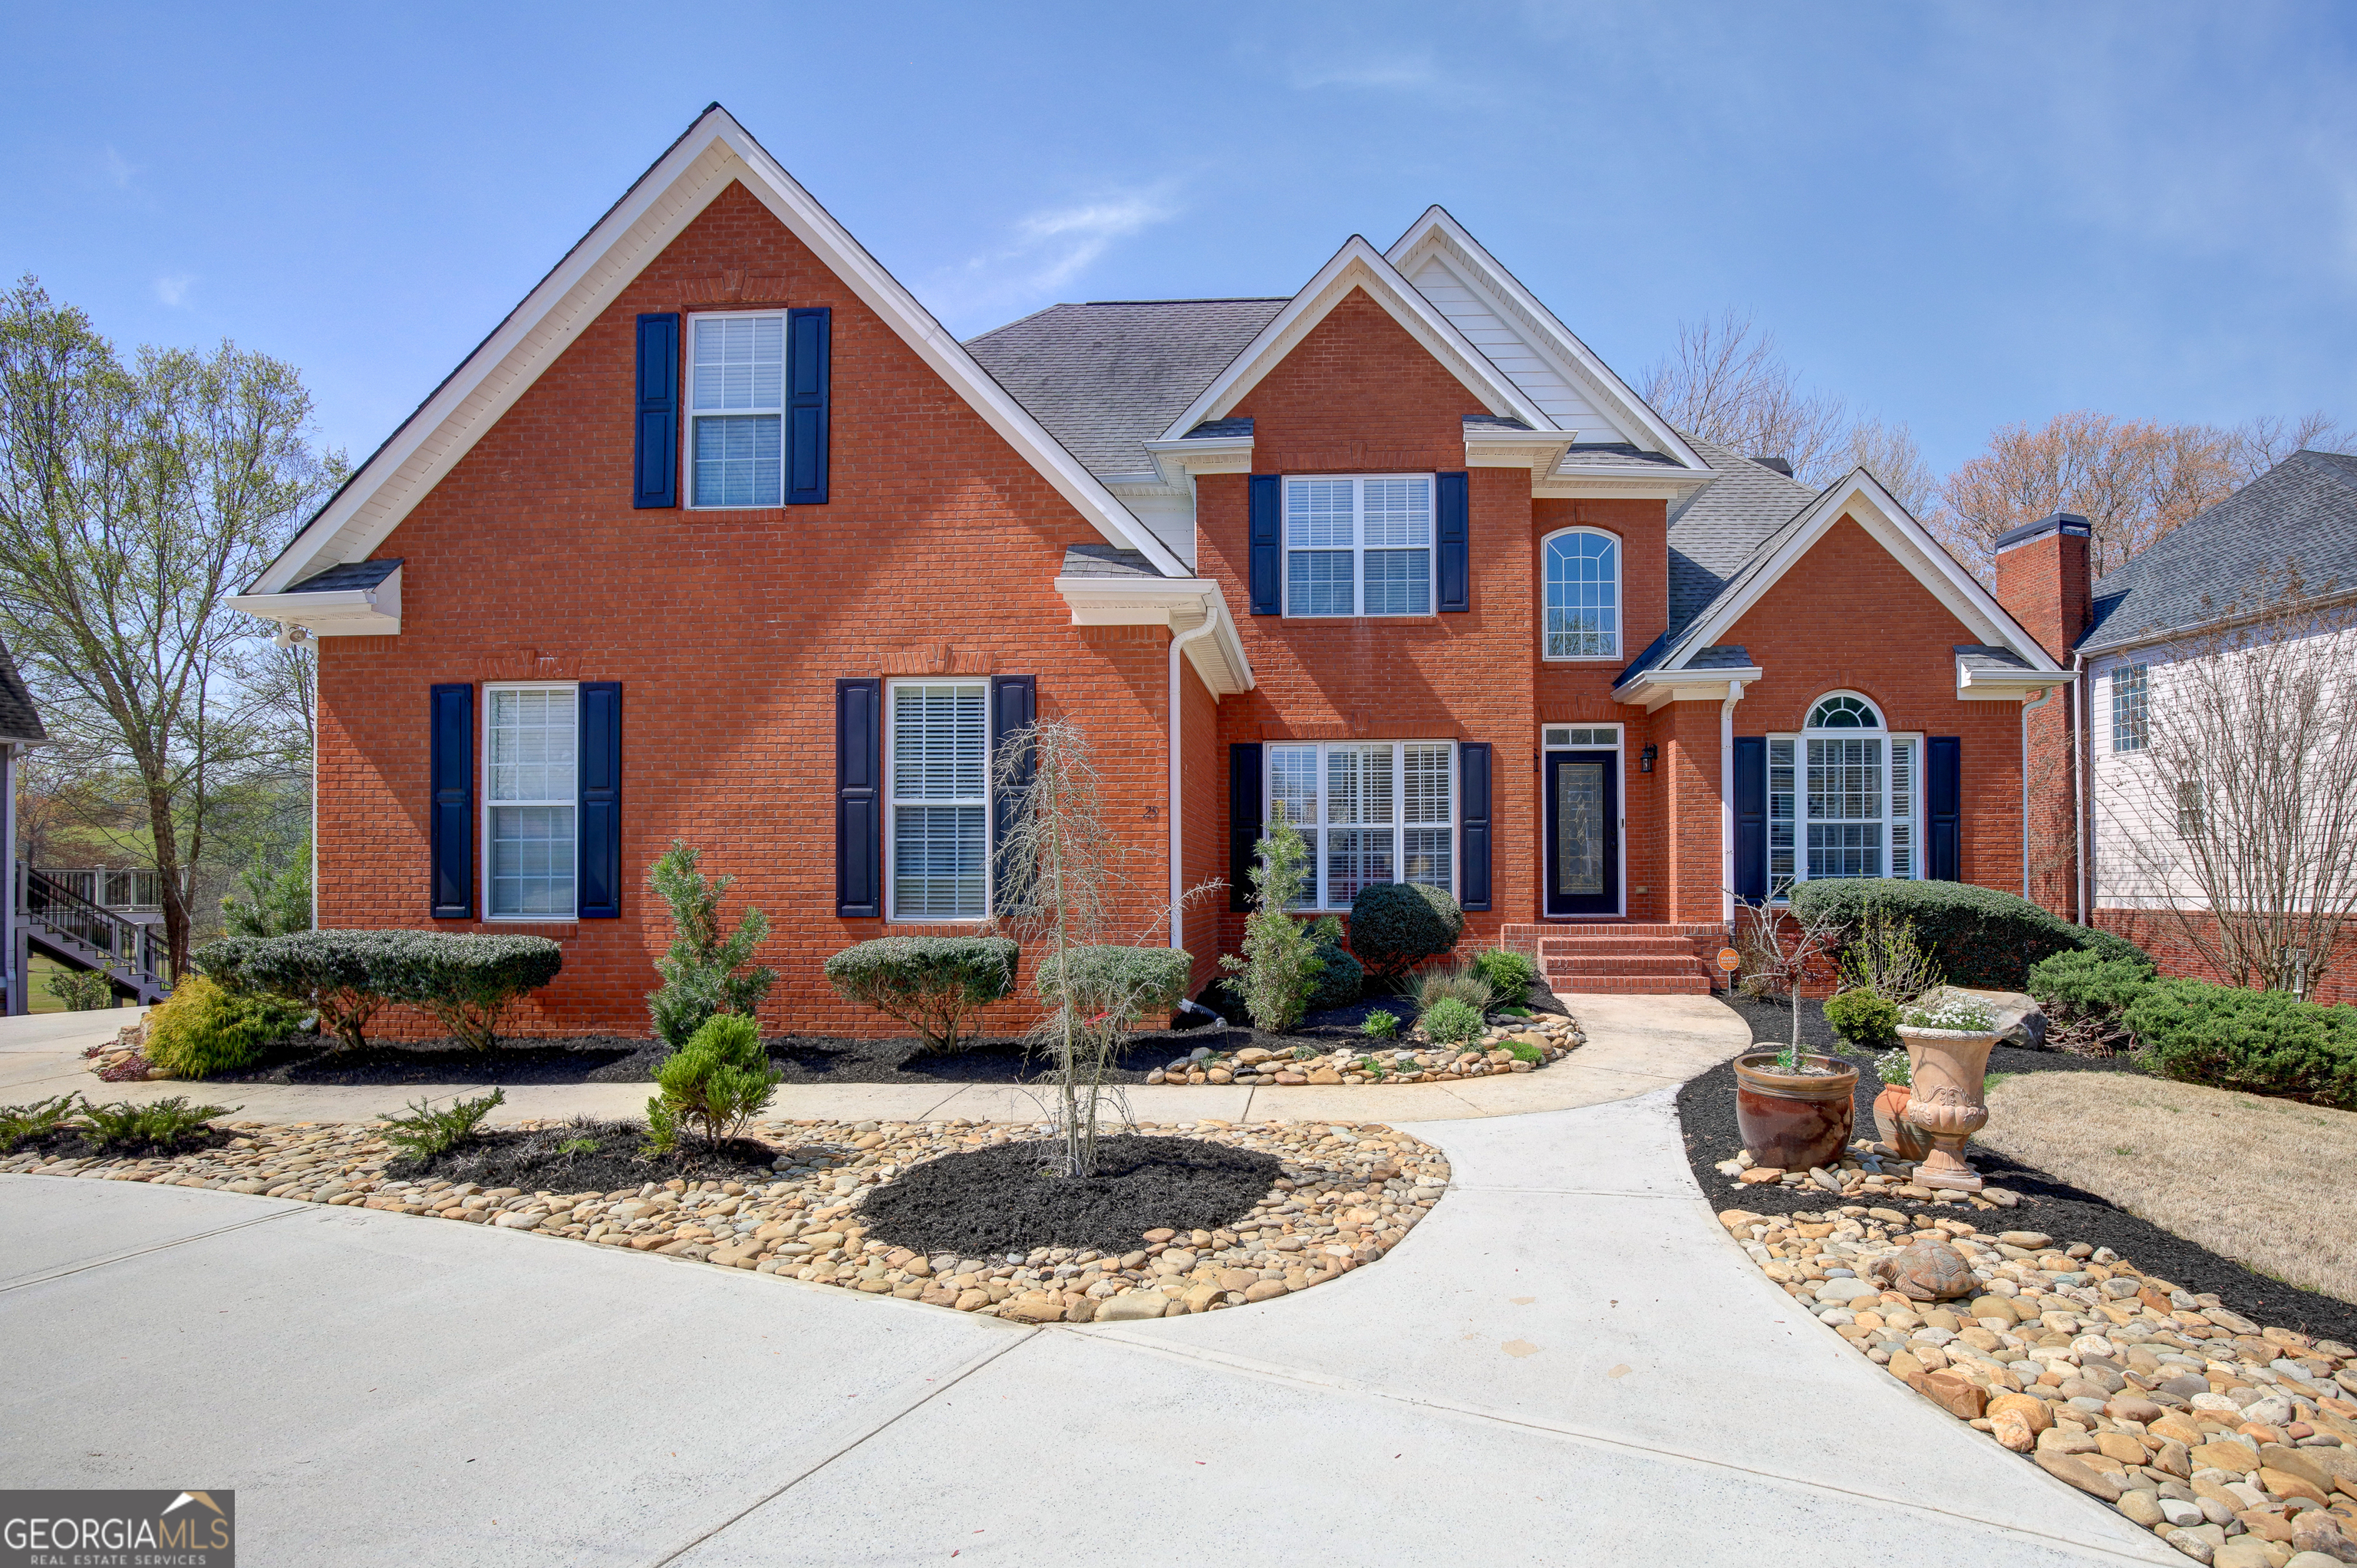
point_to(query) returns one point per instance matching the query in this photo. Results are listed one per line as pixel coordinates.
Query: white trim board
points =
(715, 152)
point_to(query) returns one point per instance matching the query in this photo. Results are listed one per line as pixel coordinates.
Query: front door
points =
(1583, 833)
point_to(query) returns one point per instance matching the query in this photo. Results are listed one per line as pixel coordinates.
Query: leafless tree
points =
(1888, 452)
(2242, 822)
(2257, 445)
(1726, 382)
(1782, 949)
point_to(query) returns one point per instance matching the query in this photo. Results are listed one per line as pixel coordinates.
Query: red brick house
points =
(720, 536)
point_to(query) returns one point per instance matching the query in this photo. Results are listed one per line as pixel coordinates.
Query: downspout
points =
(9, 969)
(1179, 642)
(1726, 802)
(2079, 785)
(2027, 709)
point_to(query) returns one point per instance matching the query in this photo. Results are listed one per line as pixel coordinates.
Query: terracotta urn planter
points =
(1890, 1123)
(1945, 1100)
(1795, 1121)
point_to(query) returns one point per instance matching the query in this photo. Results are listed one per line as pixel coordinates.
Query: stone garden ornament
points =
(1948, 1041)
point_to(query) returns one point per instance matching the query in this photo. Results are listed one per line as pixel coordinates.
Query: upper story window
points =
(1358, 546)
(1367, 811)
(530, 799)
(1583, 594)
(939, 787)
(736, 409)
(2129, 732)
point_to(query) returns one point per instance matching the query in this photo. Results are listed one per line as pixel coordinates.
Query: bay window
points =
(1368, 811)
(1358, 546)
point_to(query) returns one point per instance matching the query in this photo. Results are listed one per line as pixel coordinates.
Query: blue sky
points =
(1954, 216)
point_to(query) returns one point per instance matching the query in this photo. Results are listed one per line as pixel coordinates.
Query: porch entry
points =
(1582, 773)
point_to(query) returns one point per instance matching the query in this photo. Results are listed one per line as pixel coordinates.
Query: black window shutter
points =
(1452, 504)
(1944, 795)
(810, 355)
(1244, 821)
(601, 801)
(655, 462)
(1751, 818)
(1473, 823)
(859, 799)
(1267, 549)
(451, 820)
(1014, 703)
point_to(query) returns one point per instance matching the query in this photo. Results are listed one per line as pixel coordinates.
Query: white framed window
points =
(1577, 738)
(1359, 546)
(2129, 697)
(1368, 811)
(736, 409)
(937, 784)
(1583, 594)
(531, 802)
(1845, 798)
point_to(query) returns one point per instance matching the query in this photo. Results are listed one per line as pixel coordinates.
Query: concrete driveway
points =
(1568, 1363)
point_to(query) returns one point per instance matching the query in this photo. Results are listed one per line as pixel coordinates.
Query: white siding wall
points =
(1505, 347)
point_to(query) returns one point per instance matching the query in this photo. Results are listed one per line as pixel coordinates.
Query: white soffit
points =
(1544, 356)
(715, 151)
(1359, 264)
(1862, 497)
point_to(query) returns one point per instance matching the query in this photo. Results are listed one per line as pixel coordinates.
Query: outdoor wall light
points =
(1645, 758)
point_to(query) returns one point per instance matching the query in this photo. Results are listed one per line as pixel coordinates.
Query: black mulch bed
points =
(553, 1159)
(1000, 1199)
(69, 1143)
(802, 1059)
(2067, 1213)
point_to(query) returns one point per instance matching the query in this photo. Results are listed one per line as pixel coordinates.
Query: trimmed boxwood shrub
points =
(1395, 926)
(466, 982)
(1864, 1020)
(930, 983)
(331, 973)
(1979, 936)
(204, 1027)
(2266, 1042)
(2086, 984)
(1113, 980)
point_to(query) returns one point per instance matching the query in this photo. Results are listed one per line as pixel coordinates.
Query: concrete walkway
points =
(1635, 1044)
(1567, 1363)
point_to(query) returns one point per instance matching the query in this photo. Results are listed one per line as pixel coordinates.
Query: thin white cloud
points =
(1412, 73)
(1048, 249)
(118, 169)
(172, 288)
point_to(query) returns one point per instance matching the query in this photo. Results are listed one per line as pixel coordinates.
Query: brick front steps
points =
(1623, 958)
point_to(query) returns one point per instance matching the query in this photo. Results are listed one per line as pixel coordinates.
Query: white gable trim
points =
(1436, 232)
(1359, 264)
(716, 151)
(1876, 510)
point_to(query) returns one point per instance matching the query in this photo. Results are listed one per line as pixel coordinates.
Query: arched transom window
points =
(1843, 796)
(1583, 594)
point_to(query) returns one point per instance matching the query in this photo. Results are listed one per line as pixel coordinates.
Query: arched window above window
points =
(1842, 711)
(1583, 594)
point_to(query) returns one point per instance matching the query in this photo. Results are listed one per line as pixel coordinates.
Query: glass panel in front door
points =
(1580, 828)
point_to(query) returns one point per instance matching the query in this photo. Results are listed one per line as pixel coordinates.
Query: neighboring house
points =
(20, 727)
(720, 537)
(2131, 633)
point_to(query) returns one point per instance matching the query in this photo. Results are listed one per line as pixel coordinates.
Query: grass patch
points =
(2244, 1174)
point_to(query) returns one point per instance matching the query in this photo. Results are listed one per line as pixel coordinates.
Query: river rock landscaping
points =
(1518, 1045)
(2234, 1442)
(1341, 1195)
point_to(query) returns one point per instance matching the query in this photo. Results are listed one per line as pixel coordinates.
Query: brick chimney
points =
(2042, 580)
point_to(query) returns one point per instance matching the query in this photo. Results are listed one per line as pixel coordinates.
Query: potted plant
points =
(1948, 1040)
(1890, 1124)
(1794, 1108)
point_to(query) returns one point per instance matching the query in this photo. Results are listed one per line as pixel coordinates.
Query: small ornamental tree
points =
(1280, 963)
(704, 973)
(720, 1080)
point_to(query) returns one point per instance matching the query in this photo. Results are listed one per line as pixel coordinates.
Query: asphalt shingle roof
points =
(1616, 455)
(350, 575)
(19, 720)
(1723, 525)
(2302, 511)
(1106, 561)
(1107, 376)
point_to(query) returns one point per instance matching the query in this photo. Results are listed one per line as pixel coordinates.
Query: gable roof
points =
(1108, 376)
(1862, 497)
(1526, 341)
(1358, 265)
(1717, 529)
(19, 720)
(2303, 510)
(712, 153)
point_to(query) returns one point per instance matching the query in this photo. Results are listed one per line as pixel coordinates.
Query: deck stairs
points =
(73, 930)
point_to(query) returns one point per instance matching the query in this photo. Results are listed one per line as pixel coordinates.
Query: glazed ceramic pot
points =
(1890, 1123)
(1944, 1099)
(1795, 1121)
